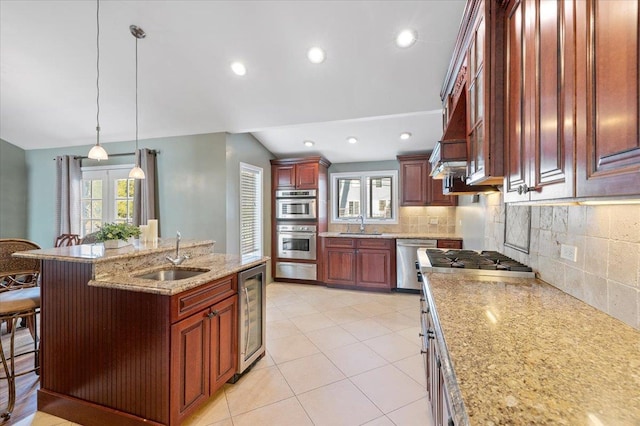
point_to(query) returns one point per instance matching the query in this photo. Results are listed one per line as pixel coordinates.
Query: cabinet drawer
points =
(452, 244)
(375, 243)
(340, 242)
(184, 304)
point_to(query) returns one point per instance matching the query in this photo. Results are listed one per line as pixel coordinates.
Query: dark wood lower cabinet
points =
(436, 387)
(367, 263)
(111, 356)
(203, 350)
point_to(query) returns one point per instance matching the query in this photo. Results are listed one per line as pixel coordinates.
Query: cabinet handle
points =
(431, 334)
(212, 314)
(420, 335)
(422, 351)
(523, 189)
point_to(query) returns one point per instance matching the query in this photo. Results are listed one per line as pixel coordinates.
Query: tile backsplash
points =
(606, 273)
(422, 220)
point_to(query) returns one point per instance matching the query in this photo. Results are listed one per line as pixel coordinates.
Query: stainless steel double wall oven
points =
(296, 234)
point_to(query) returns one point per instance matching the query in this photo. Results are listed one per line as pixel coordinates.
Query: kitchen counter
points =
(415, 235)
(219, 265)
(519, 351)
(118, 268)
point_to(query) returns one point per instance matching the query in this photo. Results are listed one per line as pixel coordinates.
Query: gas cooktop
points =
(491, 263)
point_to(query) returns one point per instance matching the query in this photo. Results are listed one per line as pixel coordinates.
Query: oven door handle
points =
(297, 234)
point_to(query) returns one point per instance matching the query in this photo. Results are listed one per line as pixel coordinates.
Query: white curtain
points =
(144, 199)
(68, 178)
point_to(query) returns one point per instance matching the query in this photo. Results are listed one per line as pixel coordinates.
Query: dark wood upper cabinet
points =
(299, 173)
(417, 188)
(473, 91)
(573, 99)
(607, 98)
(539, 100)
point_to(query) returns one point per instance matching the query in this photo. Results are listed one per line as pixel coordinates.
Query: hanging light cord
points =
(137, 161)
(98, 72)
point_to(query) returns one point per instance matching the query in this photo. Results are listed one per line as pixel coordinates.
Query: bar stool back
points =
(19, 298)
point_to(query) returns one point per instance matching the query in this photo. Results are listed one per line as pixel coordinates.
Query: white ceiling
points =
(367, 87)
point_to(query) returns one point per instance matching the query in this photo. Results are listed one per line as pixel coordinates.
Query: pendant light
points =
(137, 172)
(97, 152)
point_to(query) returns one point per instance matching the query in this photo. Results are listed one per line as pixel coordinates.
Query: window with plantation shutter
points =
(250, 211)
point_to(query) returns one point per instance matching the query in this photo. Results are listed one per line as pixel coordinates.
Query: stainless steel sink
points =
(172, 274)
(361, 233)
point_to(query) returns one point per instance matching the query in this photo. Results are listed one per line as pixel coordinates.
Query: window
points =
(370, 194)
(250, 211)
(107, 196)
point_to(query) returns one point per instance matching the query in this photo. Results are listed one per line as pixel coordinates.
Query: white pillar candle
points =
(153, 230)
(144, 231)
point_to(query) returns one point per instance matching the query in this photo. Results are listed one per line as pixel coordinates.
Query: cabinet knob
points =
(422, 351)
(431, 334)
(212, 314)
(420, 335)
(524, 189)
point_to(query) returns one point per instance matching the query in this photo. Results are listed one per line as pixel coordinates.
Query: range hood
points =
(449, 163)
(449, 158)
(456, 185)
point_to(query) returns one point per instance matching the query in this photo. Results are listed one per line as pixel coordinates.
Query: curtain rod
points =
(122, 154)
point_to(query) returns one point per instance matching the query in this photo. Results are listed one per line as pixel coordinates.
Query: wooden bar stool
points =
(15, 304)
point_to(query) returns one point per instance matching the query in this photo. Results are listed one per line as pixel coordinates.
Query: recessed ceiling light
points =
(352, 139)
(405, 135)
(309, 143)
(406, 38)
(238, 68)
(316, 55)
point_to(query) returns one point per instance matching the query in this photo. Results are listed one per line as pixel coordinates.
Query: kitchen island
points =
(117, 348)
(519, 351)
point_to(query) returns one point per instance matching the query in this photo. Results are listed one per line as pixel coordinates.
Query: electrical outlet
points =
(433, 221)
(569, 252)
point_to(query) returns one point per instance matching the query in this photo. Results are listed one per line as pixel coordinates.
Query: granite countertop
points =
(96, 253)
(219, 265)
(119, 268)
(520, 351)
(412, 235)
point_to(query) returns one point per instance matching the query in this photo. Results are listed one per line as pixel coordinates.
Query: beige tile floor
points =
(334, 357)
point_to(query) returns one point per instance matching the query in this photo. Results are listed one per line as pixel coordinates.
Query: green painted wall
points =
(246, 149)
(192, 192)
(13, 191)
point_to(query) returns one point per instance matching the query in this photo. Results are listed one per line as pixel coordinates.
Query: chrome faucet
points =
(361, 218)
(178, 259)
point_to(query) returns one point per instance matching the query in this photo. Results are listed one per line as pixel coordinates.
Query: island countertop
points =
(520, 351)
(119, 268)
(219, 265)
(96, 253)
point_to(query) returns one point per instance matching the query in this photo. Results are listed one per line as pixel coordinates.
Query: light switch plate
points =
(433, 221)
(569, 252)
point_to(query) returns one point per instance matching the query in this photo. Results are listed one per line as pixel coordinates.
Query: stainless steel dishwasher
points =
(408, 276)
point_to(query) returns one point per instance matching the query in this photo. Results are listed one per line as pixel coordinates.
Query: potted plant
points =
(116, 235)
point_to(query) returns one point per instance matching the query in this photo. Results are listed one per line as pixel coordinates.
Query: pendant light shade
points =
(137, 172)
(97, 152)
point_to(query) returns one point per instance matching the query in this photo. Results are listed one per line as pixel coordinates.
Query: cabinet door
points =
(476, 144)
(224, 341)
(374, 268)
(307, 176)
(539, 114)
(190, 351)
(340, 266)
(551, 150)
(413, 182)
(451, 244)
(284, 176)
(607, 98)
(516, 126)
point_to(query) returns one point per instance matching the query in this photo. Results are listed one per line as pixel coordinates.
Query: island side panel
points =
(104, 346)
